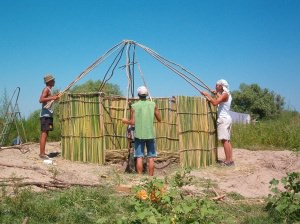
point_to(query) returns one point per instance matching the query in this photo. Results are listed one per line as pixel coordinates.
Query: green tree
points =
(33, 127)
(260, 103)
(95, 86)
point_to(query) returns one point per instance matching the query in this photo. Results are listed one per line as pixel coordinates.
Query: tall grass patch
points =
(76, 205)
(280, 133)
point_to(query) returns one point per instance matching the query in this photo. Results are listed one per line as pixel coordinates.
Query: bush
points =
(284, 206)
(156, 202)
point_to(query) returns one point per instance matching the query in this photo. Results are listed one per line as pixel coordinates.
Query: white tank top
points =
(224, 107)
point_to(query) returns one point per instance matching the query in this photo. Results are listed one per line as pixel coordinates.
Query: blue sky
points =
(241, 41)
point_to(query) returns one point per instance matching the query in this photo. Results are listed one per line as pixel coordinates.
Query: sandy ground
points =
(249, 177)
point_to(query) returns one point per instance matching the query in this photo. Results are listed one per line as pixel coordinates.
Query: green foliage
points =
(168, 204)
(269, 134)
(6, 109)
(32, 123)
(284, 206)
(32, 126)
(75, 205)
(95, 86)
(251, 213)
(181, 179)
(103, 205)
(4, 102)
(260, 103)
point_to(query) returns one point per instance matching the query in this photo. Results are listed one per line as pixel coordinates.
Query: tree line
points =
(260, 103)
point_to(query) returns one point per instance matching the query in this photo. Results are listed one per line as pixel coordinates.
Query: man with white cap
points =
(223, 101)
(142, 117)
(46, 115)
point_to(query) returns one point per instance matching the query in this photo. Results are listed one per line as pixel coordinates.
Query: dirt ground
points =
(249, 177)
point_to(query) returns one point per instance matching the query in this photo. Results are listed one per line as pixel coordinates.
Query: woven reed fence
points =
(92, 127)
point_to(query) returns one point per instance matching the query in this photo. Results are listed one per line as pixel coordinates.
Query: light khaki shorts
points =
(224, 128)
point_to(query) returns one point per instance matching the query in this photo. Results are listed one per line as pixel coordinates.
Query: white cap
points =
(225, 84)
(142, 90)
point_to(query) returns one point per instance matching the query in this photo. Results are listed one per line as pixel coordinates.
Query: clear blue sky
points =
(245, 41)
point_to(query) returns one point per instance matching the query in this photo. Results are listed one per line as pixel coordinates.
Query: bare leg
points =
(228, 150)
(43, 140)
(151, 166)
(231, 153)
(139, 165)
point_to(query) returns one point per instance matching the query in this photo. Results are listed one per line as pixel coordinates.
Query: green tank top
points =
(144, 118)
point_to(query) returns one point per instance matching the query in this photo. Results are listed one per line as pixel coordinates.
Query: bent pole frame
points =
(87, 70)
(185, 74)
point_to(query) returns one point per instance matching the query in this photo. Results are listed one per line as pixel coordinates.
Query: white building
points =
(240, 117)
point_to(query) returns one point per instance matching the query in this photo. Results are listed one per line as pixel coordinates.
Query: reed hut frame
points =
(91, 123)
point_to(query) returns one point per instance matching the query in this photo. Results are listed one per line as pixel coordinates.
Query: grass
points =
(76, 205)
(85, 205)
(104, 205)
(282, 133)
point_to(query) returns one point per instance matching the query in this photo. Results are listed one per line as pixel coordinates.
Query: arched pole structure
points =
(185, 74)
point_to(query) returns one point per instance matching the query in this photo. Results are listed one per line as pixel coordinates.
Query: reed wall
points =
(92, 125)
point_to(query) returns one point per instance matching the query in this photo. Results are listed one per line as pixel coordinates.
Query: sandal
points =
(53, 154)
(227, 163)
(44, 156)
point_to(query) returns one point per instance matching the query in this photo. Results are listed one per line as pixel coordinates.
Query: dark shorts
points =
(46, 123)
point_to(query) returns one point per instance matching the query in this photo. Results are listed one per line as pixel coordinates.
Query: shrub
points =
(284, 206)
(158, 202)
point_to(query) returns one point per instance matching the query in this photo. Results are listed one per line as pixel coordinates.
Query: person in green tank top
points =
(142, 117)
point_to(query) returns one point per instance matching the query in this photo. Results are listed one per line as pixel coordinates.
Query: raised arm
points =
(130, 121)
(157, 114)
(219, 98)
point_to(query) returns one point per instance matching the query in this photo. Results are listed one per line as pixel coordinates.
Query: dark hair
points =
(142, 96)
